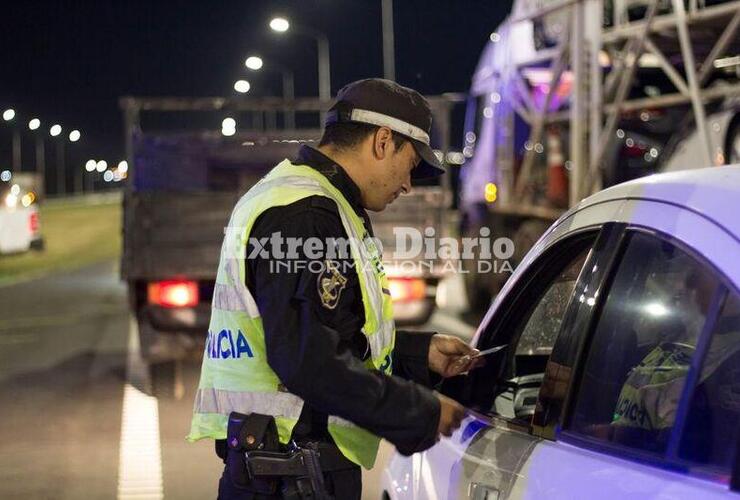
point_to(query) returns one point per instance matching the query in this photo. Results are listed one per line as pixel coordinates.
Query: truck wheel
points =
(429, 307)
(148, 336)
(478, 295)
(476, 286)
(157, 346)
(38, 245)
(166, 380)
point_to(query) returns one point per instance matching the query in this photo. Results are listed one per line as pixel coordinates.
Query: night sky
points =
(68, 62)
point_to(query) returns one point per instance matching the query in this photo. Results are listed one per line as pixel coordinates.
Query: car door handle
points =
(482, 492)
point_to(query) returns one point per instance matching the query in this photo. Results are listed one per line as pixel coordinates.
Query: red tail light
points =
(173, 293)
(634, 149)
(407, 289)
(33, 222)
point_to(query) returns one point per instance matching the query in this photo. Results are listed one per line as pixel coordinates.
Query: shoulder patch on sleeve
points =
(330, 283)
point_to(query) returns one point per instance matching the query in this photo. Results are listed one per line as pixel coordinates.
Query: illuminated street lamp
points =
(228, 127)
(253, 62)
(242, 86)
(8, 114)
(55, 130)
(34, 124)
(101, 166)
(90, 165)
(74, 136)
(281, 25)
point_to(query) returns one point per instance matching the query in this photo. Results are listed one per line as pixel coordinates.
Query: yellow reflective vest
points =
(235, 375)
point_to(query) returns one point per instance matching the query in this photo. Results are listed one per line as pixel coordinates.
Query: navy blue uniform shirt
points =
(316, 346)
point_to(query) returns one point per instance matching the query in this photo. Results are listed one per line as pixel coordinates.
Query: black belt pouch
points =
(247, 433)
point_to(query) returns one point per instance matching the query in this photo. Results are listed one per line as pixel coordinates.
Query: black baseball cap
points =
(387, 104)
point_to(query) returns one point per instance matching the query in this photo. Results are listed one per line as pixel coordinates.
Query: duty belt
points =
(256, 460)
(293, 462)
(301, 469)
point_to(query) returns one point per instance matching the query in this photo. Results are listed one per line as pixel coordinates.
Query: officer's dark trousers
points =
(342, 485)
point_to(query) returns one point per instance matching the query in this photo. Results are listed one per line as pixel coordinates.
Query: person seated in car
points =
(649, 399)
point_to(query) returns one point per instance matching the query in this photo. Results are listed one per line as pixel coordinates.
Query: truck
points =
(572, 96)
(184, 178)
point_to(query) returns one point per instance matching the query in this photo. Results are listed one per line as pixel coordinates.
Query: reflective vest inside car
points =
(235, 375)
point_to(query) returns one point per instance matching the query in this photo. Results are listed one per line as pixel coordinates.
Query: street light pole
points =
(61, 177)
(41, 160)
(34, 125)
(389, 60)
(16, 149)
(78, 187)
(322, 44)
(255, 63)
(56, 131)
(281, 25)
(8, 116)
(79, 180)
(289, 95)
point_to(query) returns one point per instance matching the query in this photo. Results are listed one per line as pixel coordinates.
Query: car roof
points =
(712, 192)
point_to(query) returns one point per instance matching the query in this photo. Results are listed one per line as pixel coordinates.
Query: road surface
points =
(78, 420)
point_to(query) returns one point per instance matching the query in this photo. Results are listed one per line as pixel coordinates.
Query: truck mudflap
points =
(159, 346)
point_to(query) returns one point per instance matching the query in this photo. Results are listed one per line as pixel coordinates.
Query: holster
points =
(300, 469)
(258, 463)
(247, 433)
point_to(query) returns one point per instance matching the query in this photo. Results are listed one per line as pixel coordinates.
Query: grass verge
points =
(74, 236)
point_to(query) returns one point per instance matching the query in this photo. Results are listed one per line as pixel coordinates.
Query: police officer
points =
(308, 336)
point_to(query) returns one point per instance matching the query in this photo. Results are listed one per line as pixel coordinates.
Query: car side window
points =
(642, 346)
(711, 430)
(539, 329)
(527, 320)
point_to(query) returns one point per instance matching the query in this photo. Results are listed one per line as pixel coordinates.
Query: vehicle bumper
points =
(174, 319)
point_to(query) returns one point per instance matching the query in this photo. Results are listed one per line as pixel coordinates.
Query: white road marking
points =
(140, 459)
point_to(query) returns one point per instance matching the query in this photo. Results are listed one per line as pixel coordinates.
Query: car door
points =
(483, 458)
(650, 408)
(633, 295)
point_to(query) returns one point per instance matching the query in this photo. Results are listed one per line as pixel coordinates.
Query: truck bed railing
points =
(600, 56)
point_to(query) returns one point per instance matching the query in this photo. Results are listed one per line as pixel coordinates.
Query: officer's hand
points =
(451, 414)
(450, 356)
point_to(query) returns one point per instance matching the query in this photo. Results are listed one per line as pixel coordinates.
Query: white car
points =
(621, 376)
